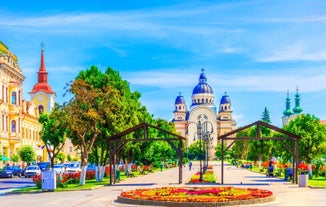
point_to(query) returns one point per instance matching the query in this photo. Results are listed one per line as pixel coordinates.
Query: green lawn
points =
(317, 182)
(89, 184)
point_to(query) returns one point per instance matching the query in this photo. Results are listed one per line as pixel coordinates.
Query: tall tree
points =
(53, 132)
(312, 143)
(91, 102)
(265, 116)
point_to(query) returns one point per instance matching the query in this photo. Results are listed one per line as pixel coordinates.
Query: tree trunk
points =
(83, 175)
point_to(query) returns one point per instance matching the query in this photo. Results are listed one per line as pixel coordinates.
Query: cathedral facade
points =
(203, 120)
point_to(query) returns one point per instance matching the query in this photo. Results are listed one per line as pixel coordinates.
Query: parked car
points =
(6, 172)
(44, 166)
(32, 171)
(91, 168)
(59, 169)
(16, 170)
(73, 167)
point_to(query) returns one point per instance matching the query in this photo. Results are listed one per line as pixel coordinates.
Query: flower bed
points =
(208, 177)
(195, 196)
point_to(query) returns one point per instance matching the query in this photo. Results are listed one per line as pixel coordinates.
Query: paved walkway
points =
(287, 194)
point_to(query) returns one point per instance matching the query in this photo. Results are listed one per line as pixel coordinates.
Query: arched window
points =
(13, 97)
(40, 109)
(13, 126)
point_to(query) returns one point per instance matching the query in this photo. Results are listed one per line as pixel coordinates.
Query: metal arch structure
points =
(290, 136)
(119, 140)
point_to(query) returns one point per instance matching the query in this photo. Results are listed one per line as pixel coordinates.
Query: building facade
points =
(203, 120)
(11, 103)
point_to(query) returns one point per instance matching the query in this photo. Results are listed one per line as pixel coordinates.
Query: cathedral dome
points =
(225, 99)
(180, 99)
(202, 86)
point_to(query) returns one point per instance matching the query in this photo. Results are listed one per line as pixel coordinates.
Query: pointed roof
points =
(42, 84)
(297, 109)
(287, 111)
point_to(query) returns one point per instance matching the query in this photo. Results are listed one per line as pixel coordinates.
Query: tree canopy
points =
(312, 143)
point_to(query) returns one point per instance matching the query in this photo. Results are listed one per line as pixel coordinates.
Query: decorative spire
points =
(42, 65)
(42, 83)
(287, 111)
(202, 77)
(297, 109)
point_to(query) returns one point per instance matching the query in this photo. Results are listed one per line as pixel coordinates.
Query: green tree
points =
(196, 150)
(118, 113)
(27, 154)
(53, 132)
(312, 143)
(61, 157)
(265, 116)
(218, 151)
(87, 109)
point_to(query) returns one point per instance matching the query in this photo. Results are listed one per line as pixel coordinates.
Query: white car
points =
(32, 170)
(73, 167)
(59, 169)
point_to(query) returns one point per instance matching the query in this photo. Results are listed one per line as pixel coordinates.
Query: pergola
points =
(293, 148)
(119, 140)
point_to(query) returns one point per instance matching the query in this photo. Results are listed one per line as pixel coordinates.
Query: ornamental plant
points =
(194, 194)
(208, 177)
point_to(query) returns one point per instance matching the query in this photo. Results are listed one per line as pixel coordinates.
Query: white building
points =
(203, 112)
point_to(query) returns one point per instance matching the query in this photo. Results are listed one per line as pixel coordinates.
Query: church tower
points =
(180, 114)
(42, 94)
(291, 114)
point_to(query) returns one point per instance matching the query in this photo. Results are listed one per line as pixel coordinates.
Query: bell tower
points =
(42, 94)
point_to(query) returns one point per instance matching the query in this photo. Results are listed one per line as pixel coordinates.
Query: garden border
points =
(194, 204)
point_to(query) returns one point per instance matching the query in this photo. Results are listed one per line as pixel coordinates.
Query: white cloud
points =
(295, 52)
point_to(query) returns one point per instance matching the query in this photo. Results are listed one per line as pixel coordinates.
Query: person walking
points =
(190, 165)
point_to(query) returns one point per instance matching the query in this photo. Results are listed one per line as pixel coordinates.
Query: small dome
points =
(202, 86)
(225, 99)
(180, 99)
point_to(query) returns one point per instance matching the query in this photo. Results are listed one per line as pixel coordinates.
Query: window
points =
(40, 109)
(13, 97)
(13, 126)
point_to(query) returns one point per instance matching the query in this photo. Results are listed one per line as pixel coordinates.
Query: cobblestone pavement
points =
(287, 194)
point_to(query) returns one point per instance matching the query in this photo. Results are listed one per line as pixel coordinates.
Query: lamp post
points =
(203, 135)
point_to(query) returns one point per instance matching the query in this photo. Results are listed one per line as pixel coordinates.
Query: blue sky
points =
(255, 50)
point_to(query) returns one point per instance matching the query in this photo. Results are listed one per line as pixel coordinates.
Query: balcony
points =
(14, 138)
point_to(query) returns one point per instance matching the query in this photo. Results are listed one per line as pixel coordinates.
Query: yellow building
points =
(11, 103)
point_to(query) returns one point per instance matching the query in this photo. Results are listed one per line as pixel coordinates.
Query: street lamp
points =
(203, 135)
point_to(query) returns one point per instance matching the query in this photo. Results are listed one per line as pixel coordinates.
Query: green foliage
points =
(218, 151)
(265, 116)
(312, 143)
(54, 130)
(14, 158)
(27, 154)
(61, 157)
(196, 150)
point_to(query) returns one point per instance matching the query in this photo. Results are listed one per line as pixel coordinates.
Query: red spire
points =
(42, 84)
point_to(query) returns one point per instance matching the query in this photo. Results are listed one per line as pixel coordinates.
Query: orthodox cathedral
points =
(203, 120)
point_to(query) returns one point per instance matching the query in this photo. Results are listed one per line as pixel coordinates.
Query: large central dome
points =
(202, 86)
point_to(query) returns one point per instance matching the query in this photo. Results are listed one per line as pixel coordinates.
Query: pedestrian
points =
(190, 165)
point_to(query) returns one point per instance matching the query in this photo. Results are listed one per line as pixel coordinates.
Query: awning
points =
(4, 158)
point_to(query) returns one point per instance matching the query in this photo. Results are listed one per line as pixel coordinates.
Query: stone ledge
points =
(194, 204)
